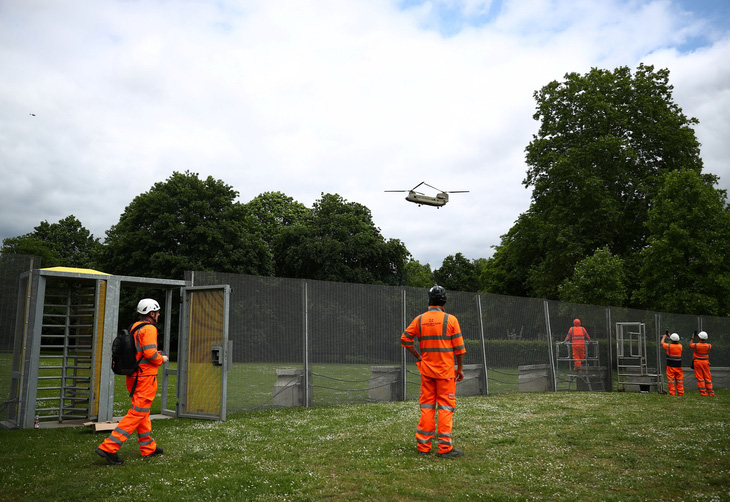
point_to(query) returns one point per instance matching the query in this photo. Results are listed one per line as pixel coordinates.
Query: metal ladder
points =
(631, 364)
(65, 366)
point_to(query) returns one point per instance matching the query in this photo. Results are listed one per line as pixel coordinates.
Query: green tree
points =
(186, 223)
(598, 279)
(457, 273)
(66, 243)
(604, 141)
(337, 241)
(417, 275)
(275, 211)
(684, 266)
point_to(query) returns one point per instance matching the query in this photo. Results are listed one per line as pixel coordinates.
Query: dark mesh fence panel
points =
(11, 267)
(266, 327)
(353, 340)
(594, 372)
(352, 327)
(515, 336)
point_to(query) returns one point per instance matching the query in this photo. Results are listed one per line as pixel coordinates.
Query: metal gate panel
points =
(204, 353)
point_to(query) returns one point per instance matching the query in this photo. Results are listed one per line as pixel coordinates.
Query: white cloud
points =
(308, 97)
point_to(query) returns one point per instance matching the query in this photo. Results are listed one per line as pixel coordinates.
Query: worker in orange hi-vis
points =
(439, 338)
(142, 387)
(577, 335)
(675, 375)
(701, 363)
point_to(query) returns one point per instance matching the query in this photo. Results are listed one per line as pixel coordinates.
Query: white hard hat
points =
(674, 337)
(702, 335)
(147, 305)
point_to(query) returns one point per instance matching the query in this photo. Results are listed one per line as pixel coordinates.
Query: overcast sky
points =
(100, 99)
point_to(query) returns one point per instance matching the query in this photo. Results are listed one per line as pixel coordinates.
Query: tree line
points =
(621, 214)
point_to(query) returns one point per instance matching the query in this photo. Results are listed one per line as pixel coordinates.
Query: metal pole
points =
(305, 307)
(550, 346)
(609, 364)
(484, 345)
(403, 355)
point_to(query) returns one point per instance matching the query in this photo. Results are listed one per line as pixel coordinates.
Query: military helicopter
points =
(441, 198)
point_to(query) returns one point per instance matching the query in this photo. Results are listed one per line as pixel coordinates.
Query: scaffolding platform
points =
(589, 375)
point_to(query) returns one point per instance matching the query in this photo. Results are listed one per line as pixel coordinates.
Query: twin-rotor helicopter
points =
(440, 199)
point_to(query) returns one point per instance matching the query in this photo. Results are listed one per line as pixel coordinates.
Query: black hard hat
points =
(437, 295)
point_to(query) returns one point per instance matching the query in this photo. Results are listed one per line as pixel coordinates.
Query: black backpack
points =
(124, 352)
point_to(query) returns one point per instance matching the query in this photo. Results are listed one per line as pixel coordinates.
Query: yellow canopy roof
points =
(75, 270)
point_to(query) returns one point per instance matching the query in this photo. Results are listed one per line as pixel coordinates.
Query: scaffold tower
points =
(572, 373)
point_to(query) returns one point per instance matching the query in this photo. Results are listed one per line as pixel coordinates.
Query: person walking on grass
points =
(142, 387)
(675, 375)
(439, 338)
(701, 363)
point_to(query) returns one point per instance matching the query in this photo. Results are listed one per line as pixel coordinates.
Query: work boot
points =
(112, 458)
(453, 452)
(158, 451)
(428, 452)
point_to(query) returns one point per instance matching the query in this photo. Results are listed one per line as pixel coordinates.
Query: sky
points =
(101, 99)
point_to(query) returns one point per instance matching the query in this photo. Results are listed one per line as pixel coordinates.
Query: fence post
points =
(484, 346)
(609, 365)
(403, 376)
(550, 346)
(305, 307)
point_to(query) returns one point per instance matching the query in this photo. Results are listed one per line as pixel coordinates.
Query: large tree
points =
(186, 223)
(275, 211)
(598, 279)
(457, 273)
(605, 140)
(684, 266)
(338, 241)
(66, 243)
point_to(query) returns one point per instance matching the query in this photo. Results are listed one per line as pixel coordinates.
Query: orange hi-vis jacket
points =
(674, 354)
(701, 351)
(439, 338)
(145, 341)
(578, 335)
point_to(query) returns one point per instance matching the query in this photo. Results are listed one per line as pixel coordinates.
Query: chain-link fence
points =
(324, 343)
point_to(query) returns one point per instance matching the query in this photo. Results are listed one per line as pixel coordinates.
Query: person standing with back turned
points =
(577, 336)
(701, 364)
(142, 388)
(675, 375)
(439, 337)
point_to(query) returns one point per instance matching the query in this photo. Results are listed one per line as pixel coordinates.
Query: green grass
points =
(546, 446)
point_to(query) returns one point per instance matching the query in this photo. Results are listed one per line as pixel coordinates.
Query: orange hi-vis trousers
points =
(137, 418)
(436, 393)
(579, 354)
(675, 377)
(703, 377)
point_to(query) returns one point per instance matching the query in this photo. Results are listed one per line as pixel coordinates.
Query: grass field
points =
(546, 446)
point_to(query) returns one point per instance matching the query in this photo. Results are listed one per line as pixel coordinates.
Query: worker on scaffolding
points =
(577, 336)
(675, 375)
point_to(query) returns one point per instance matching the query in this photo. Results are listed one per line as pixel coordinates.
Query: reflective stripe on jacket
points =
(701, 350)
(578, 334)
(145, 340)
(439, 337)
(674, 354)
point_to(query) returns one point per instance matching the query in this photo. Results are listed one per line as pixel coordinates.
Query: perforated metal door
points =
(204, 353)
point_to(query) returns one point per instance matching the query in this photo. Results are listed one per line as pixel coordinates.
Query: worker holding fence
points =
(439, 338)
(675, 375)
(577, 335)
(701, 363)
